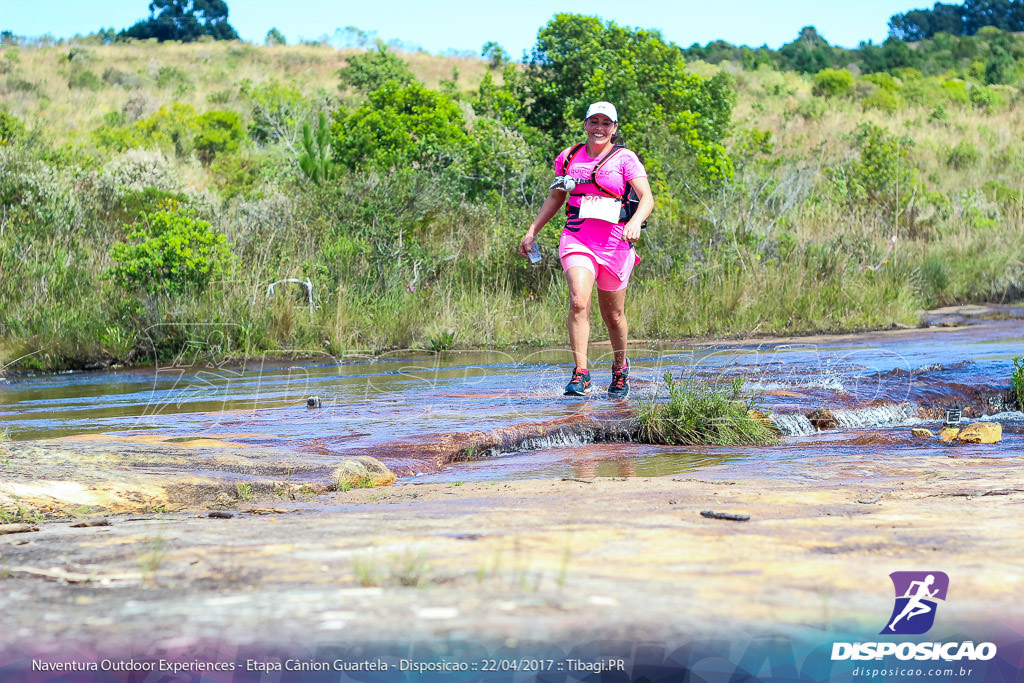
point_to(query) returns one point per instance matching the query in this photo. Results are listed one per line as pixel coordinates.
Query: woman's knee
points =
(579, 304)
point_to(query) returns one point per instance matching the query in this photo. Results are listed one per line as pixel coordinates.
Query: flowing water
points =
(407, 408)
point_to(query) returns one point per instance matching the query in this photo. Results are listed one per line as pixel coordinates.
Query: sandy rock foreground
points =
(540, 561)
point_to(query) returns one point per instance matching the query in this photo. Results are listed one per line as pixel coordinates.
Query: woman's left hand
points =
(631, 231)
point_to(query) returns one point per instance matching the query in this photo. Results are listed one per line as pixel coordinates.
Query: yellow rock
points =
(948, 433)
(921, 431)
(981, 432)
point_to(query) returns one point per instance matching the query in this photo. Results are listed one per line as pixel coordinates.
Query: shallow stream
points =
(876, 385)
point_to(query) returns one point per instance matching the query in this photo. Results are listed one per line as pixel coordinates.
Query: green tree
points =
(184, 20)
(368, 71)
(400, 125)
(494, 54)
(809, 53)
(275, 37)
(677, 120)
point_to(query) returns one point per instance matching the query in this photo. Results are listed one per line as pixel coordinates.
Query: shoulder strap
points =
(572, 155)
(599, 164)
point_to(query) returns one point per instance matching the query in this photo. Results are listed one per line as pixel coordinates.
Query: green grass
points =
(699, 413)
(1017, 381)
(243, 490)
(399, 261)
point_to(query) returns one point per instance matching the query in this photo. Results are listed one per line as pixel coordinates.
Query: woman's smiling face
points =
(599, 129)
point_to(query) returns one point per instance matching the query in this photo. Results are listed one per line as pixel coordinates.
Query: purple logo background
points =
(917, 596)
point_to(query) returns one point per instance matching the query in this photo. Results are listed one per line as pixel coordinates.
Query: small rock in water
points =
(948, 433)
(921, 431)
(981, 432)
(823, 419)
(313, 402)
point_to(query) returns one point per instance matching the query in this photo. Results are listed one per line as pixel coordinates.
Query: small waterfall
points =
(793, 424)
(876, 416)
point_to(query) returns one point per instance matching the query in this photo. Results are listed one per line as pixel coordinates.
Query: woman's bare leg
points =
(613, 310)
(581, 287)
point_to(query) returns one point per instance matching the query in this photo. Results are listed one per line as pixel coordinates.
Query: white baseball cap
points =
(606, 108)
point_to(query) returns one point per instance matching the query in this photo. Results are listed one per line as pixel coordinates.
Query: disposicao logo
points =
(917, 596)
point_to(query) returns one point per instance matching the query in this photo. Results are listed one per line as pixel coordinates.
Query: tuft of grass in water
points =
(1017, 381)
(243, 490)
(699, 413)
(442, 341)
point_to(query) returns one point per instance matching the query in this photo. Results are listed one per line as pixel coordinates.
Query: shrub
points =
(219, 131)
(833, 82)
(963, 155)
(370, 70)
(171, 128)
(170, 253)
(136, 170)
(883, 174)
(400, 125)
(10, 128)
(277, 112)
(84, 79)
(700, 413)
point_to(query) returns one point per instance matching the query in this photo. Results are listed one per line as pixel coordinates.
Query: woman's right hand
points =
(528, 239)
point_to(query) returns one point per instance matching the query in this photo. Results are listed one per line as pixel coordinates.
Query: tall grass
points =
(695, 412)
(399, 261)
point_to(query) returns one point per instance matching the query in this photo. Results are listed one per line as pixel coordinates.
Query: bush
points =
(171, 128)
(136, 170)
(219, 132)
(883, 174)
(278, 112)
(170, 253)
(832, 82)
(11, 128)
(370, 70)
(700, 413)
(963, 155)
(84, 79)
(400, 125)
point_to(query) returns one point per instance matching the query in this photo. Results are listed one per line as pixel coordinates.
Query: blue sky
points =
(465, 25)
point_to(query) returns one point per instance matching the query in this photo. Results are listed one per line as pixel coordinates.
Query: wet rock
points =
(122, 476)
(363, 471)
(823, 419)
(16, 529)
(921, 431)
(981, 432)
(948, 433)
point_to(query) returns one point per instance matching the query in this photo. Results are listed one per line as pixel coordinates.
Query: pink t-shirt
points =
(600, 239)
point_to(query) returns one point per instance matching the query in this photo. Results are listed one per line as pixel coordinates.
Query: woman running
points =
(596, 245)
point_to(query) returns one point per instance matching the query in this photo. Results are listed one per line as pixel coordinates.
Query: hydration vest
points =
(629, 199)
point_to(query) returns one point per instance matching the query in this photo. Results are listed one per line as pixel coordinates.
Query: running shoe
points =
(619, 388)
(579, 384)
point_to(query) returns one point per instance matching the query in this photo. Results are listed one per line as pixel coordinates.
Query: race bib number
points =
(601, 208)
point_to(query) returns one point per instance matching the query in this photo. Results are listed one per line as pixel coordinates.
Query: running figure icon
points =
(917, 595)
(915, 606)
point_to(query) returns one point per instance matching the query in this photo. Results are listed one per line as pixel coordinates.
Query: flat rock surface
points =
(107, 473)
(547, 560)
